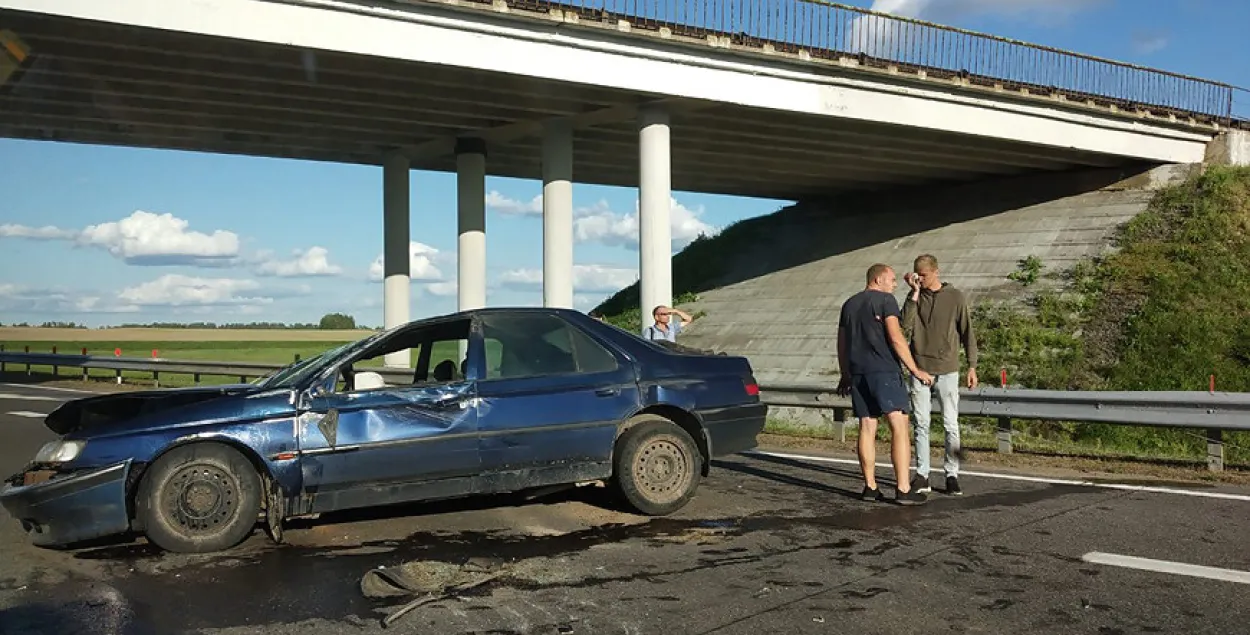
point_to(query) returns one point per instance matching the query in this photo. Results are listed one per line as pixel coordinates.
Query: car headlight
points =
(59, 451)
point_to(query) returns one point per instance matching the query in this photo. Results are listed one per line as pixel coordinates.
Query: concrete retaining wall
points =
(780, 304)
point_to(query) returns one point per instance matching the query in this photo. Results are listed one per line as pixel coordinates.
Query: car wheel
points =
(657, 466)
(199, 498)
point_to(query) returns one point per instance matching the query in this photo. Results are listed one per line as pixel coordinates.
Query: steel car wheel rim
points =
(201, 499)
(661, 470)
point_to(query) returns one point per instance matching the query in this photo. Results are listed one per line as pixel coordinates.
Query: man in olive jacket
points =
(937, 319)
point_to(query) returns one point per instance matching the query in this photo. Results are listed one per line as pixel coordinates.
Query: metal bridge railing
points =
(826, 30)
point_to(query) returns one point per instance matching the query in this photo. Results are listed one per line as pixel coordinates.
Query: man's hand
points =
(844, 386)
(925, 378)
(972, 379)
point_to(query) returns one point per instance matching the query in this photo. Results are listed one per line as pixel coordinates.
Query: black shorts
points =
(876, 394)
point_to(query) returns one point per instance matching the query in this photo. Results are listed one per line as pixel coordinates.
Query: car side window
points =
(536, 345)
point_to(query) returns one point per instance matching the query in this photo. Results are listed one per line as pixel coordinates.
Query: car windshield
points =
(292, 374)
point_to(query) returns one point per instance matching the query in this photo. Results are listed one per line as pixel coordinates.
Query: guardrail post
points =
(27, 349)
(197, 379)
(1, 363)
(1215, 450)
(156, 378)
(56, 370)
(1004, 435)
(84, 368)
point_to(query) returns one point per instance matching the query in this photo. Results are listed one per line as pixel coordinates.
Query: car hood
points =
(96, 414)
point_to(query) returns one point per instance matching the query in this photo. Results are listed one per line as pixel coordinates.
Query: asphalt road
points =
(772, 544)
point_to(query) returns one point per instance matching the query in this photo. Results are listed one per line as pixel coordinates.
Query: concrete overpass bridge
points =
(785, 99)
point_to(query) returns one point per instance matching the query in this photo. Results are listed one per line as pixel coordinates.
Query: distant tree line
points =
(330, 321)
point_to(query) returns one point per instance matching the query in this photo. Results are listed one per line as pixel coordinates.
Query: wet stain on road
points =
(152, 592)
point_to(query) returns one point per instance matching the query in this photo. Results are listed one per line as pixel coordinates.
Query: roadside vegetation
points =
(1167, 309)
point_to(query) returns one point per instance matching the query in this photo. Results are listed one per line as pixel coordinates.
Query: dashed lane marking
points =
(26, 413)
(1167, 566)
(17, 397)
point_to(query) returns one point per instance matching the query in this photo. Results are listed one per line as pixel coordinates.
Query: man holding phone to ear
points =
(937, 317)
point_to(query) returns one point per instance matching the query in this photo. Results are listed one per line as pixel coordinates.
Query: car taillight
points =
(752, 388)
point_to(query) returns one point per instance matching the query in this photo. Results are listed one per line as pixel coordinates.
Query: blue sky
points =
(102, 235)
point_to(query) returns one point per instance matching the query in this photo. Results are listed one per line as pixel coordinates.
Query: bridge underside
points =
(101, 83)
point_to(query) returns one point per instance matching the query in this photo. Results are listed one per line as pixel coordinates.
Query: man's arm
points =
(899, 344)
(909, 314)
(844, 350)
(685, 317)
(966, 332)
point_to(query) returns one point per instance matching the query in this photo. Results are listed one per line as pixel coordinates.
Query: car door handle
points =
(608, 392)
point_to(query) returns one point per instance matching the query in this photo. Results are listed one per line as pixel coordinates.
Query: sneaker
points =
(952, 486)
(920, 484)
(871, 495)
(910, 498)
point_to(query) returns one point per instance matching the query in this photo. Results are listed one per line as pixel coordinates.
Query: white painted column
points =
(558, 214)
(471, 207)
(655, 184)
(396, 204)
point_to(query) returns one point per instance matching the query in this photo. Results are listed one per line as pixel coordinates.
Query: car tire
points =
(199, 498)
(656, 465)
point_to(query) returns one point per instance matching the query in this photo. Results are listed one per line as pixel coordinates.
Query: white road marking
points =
(26, 413)
(1028, 479)
(1167, 566)
(10, 395)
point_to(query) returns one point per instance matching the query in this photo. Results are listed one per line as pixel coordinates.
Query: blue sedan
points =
(486, 401)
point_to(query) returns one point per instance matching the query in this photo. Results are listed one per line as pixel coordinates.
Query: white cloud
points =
(504, 205)
(179, 290)
(443, 289)
(15, 298)
(599, 223)
(874, 35)
(313, 262)
(47, 232)
(421, 259)
(143, 238)
(592, 278)
(1145, 43)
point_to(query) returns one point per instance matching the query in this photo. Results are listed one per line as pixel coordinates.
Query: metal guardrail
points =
(837, 32)
(156, 365)
(1213, 411)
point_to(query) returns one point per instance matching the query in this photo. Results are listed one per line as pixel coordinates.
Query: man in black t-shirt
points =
(871, 347)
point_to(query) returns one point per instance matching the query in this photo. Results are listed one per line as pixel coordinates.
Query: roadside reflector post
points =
(1215, 450)
(117, 352)
(27, 350)
(84, 368)
(1004, 435)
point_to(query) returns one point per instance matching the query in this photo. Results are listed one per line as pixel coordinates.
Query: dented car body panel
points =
(537, 398)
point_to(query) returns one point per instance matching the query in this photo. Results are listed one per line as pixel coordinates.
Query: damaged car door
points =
(391, 444)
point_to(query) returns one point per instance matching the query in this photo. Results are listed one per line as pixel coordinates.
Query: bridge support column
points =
(471, 207)
(655, 184)
(396, 209)
(558, 214)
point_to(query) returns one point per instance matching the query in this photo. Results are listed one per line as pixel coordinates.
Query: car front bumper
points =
(735, 429)
(72, 508)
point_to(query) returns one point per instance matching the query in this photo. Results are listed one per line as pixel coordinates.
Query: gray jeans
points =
(922, 408)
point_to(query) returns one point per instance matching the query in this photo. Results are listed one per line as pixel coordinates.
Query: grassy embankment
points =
(1168, 309)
